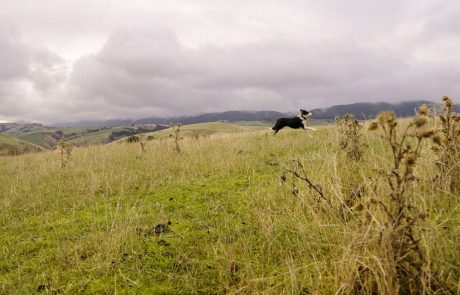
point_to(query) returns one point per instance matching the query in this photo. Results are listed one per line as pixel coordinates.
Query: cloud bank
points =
(212, 56)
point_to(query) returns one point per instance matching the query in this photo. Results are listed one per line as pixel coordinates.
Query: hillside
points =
(359, 110)
(365, 110)
(29, 137)
(10, 145)
(102, 132)
(22, 138)
(221, 217)
(206, 129)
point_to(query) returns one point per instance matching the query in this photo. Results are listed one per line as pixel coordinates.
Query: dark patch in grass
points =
(163, 243)
(160, 228)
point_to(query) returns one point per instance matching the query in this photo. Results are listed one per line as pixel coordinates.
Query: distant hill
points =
(10, 145)
(19, 138)
(366, 110)
(230, 116)
(359, 110)
(25, 137)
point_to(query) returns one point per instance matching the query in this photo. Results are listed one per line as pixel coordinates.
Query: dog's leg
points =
(306, 130)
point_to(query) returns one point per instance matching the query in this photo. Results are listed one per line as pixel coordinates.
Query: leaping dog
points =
(297, 122)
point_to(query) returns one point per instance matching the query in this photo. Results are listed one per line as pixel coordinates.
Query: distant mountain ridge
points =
(365, 110)
(231, 116)
(359, 110)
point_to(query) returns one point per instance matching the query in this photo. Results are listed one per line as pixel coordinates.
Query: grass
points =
(7, 139)
(9, 143)
(208, 128)
(90, 228)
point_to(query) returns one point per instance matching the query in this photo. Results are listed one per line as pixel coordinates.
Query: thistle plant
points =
(447, 145)
(349, 134)
(177, 137)
(142, 142)
(65, 150)
(397, 246)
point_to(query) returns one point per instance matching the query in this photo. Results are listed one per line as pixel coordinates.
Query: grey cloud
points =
(215, 55)
(28, 75)
(13, 56)
(136, 68)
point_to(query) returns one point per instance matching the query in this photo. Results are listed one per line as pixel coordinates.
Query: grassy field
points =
(212, 219)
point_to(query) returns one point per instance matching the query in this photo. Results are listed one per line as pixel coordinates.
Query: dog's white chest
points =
(304, 123)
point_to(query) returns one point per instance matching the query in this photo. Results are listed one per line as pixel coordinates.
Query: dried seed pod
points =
(427, 134)
(423, 109)
(387, 117)
(437, 139)
(358, 207)
(420, 122)
(373, 126)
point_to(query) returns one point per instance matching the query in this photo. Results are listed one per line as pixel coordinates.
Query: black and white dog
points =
(297, 122)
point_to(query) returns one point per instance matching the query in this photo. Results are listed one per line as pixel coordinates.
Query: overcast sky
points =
(63, 60)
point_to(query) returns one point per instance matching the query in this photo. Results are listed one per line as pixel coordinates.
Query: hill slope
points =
(216, 218)
(23, 138)
(10, 145)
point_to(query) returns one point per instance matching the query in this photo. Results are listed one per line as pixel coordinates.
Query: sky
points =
(64, 61)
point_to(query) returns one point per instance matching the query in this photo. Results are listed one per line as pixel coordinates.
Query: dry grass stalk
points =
(447, 147)
(349, 134)
(298, 172)
(197, 134)
(65, 149)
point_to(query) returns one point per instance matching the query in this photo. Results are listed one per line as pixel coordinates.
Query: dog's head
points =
(305, 114)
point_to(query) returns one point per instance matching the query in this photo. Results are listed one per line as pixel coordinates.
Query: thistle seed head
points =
(427, 134)
(419, 122)
(386, 117)
(373, 126)
(437, 139)
(423, 109)
(358, 207)
(409, 159)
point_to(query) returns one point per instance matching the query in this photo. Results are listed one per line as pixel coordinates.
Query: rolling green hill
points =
(23, 138)
(10, 145)
(44, 139)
